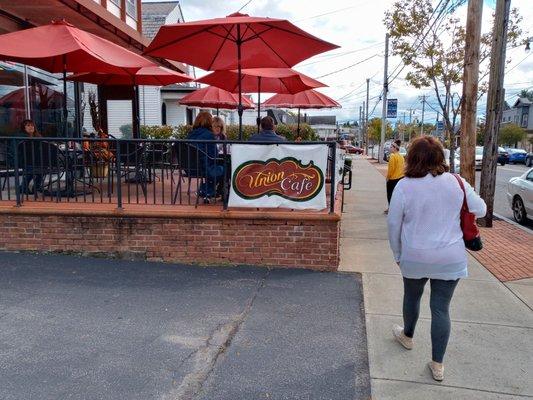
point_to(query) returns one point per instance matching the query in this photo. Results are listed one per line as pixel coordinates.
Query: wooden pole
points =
(494, 108)
(384, 98)
(470, 89)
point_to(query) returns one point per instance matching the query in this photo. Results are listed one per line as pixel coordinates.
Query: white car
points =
(520, 196)
(478, 156)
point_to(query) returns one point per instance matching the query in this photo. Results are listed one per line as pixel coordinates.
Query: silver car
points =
(520, 196)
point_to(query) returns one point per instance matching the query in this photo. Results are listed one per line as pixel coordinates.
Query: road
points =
(503, 174)
(83, 328)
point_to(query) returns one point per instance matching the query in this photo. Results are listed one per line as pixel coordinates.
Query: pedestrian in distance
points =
(427, 241)
(395, 169)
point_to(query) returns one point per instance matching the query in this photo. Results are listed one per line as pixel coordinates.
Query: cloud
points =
(355, 25)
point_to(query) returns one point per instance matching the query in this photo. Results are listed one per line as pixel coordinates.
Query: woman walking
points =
(395, 169)
(427, 242)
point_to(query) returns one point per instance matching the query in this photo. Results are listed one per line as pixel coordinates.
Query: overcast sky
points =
(357, 26)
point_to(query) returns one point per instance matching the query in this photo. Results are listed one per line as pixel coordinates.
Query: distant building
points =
(324, 125)
(521, 114)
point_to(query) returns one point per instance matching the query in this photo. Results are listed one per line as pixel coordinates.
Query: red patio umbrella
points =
(150, 76)
(306, 99)
(213, 97)
(235, 42)
(273, 80)
(60, 47)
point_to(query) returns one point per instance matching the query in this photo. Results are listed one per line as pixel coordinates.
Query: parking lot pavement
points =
(82, 328)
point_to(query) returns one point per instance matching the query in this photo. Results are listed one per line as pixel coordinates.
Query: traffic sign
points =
(392, 108)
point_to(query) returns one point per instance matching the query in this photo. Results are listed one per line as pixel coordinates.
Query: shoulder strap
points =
(465, 205)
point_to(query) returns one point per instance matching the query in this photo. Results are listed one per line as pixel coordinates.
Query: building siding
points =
(150, 105)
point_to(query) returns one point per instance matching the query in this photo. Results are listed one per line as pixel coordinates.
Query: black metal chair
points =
(186, 160)
(131, 160)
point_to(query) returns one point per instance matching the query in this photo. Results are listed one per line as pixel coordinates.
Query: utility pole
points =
(470, 88)
(362, 125)
(494, 108)
(360, 118)
(384, 98)
(366, 115)
(423, 107)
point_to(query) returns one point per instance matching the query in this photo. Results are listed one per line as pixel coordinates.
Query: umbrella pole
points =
(258, 102)
(217, 111)
(298, 130)
(65, 111)
(239, 42)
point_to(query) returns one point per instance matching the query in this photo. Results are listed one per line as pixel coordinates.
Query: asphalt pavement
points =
(503, 175)
(85, 328)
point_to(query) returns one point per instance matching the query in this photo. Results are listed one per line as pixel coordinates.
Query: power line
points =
(341, 54)
(349, 66)
(328, 13)
(248, 2)
(520, 62)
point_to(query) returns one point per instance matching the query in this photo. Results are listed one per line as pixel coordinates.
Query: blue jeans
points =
(440, 298)
(214, 178)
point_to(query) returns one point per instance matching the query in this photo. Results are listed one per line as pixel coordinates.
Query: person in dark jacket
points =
(267, 133)
(207, 156)
(29, 158)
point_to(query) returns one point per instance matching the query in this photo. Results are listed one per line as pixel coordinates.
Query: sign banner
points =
(278, 175)
(392, 108)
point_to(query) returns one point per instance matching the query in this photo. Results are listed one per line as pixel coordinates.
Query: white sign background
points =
(241, 153)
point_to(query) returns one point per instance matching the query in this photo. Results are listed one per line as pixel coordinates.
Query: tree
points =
(510, 134)
(480, 133)
(374, 130)
(431, 43)
(528, 94)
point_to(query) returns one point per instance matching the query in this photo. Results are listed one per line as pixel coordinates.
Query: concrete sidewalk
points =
(489, 354)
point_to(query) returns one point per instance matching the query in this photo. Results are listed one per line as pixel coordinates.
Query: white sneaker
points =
(397, 332)
(437, 370)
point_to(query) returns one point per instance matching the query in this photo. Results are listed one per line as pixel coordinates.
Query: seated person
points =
(267, 133)
(219, 130)
(203, 130)
(30, 156)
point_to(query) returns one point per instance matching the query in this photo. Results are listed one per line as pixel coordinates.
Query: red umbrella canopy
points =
(154, 76)
(306, 99)
(273, 80)
(212, 44)
(213, 97)
(59, 47)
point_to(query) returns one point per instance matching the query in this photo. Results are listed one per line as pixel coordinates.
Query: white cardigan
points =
(424, 226)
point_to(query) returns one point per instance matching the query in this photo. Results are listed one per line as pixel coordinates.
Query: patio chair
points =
(187, 160)
(132, 162)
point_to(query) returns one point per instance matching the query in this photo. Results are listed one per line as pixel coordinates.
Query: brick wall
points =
(306, 243)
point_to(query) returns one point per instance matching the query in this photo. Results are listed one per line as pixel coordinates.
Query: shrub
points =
(157, 132)
(126, 130)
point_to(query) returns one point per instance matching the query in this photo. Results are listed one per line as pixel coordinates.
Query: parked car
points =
(353, 149)
(520, 196)
(503, 156)
(517, 156)
(478, 155)
(529, 160)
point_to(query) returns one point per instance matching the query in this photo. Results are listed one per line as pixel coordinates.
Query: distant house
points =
(324, 125)
(521, 114)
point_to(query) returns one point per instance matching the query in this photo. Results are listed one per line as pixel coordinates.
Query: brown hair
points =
(425, 155)
(29, 122)
(267, 123)
(203, 120)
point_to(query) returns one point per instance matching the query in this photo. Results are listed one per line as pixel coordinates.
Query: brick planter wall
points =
(216, 237)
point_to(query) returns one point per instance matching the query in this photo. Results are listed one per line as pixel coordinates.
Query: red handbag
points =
(471, 235)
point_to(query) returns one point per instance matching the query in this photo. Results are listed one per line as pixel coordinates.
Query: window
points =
(516, 119)
(131, 8)
(115, 2)
(529, 176)
(525, 118)
(41, 100)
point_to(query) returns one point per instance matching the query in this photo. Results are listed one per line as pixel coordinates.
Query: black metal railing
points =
(117, 171)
